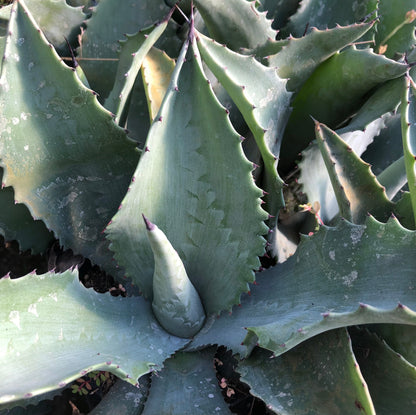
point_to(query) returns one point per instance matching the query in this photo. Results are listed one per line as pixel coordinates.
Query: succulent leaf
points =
(132, 54)
(387, 147)
(16, 223)
(393, 178)
(340, 276)
(390, 378)
(56, 18)
(124, 398)
(157, 69)
(404, 211)
(236, 23)
(313, 48)
(321, 375)
(194, 375)
(324, 15)
(63, 156)
(395, 32)
(86, 331)
(356, 188)
(72, 175)
(176, 302)
(400, 337)
(409, 137)
(100, 44)
(138, 120)
(373, 119)
(262, 98)
(278, 10)
(352, 70)
(314, 177)
(204, 211)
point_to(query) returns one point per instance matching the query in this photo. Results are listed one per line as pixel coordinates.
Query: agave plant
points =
(185, 158)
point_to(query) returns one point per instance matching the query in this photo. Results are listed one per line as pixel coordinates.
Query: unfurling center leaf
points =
(176, 302)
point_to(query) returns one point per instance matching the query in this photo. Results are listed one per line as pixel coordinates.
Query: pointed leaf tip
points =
(149, 225)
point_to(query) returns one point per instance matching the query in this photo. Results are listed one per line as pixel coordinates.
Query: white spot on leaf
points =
(350, 278)
(14, 317)
(356, 234)
(54, 296)
(32, 309)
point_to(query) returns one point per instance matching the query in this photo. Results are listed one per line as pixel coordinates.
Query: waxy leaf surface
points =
(131, 56)
(236, 23)
(71, 174)
(205, 211)
(356, 188)
(301, 56)
(16, 223)
(338, 277)
(188, 385)
(390, 378)
(323, 15)
(100, 45)
(391, 32)
(262, 98)
(334, 92)
(409, 137)
(157, 70)
(56, 18)
(321, 374)
(58, 327)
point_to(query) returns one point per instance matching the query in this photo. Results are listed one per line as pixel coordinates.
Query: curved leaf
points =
(314, 177)
(263, 100)
(205, 212)
(157, 70)
(321, 375)
(373, 120)
(297, 59)
(395, 29)
(58, 327)
(338, 277)
(132, 54)
(388, 146)
(16, 223)
(409, 138)
(356, 188)
(323, 15)
(56, 18)
(400, 337)
(279, 10)
(236, 23)
(391, 379)
(124, 398)
(99, 44)
(334, 92)
(138, 120)
(188, 386)
(72, 175)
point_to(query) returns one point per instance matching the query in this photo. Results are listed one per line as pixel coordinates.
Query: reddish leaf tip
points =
(149, 225)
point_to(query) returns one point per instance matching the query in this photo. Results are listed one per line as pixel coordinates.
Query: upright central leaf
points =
(194, 181)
